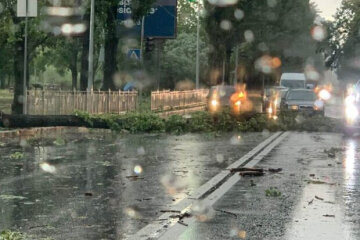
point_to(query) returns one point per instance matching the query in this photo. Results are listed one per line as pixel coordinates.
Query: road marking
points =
(210, 192)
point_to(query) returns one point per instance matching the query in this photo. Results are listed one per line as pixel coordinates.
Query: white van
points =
(293, 80)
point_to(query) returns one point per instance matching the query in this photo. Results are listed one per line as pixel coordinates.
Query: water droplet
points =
(223, 3)
(138, 170)
(225, 25)
(219, 158)
(129, 23)
(23, 143)
(47, 168)
(271, 3)
(239, 14)
(318, 33)
(202, 212)
(235, 140)
(249, 36)
(141, 151)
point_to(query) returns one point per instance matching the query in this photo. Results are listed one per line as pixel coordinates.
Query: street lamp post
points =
(198, 48)
(25, 59)
(91, 48)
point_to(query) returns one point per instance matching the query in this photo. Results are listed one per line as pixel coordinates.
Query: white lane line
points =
(156, 229)
(177, 229)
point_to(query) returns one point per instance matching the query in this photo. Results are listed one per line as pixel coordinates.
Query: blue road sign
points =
(159, 23)
(134, 54)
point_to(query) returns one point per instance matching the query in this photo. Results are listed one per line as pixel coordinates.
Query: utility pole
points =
(198, 48)
(142, 39)
(236, 64)
(91, 48)
(223, 73)
(25, 59)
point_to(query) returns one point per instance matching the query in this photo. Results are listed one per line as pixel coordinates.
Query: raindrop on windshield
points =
(219, 158)
(141, 151)
(318, 33)
(239, 14)
(249, 36)
(225, 25)
(138, 169)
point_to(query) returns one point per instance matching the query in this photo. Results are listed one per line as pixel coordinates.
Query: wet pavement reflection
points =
(320, 195)
(103, 186)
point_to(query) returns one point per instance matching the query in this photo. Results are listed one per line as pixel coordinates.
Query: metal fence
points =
(65, 103)
(172, 100)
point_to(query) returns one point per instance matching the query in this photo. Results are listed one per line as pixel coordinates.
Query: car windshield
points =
(172, 119)
(301, 95)
(293, 83)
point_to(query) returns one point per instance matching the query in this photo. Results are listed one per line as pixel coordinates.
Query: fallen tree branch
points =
(223, 211)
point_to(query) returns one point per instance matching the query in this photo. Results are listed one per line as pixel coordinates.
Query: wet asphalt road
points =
(100, 186)
(93, 194)
(320, 196)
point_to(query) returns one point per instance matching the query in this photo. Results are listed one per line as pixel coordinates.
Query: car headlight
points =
(214, 103)
(350, 100)
(294, 107)
(324, 94)
(351, 113)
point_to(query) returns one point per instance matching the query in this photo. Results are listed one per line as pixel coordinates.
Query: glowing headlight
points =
(214, 103)
(324, 94)
(319, 105)
(294, 107)
(351, 112)
(349, 100)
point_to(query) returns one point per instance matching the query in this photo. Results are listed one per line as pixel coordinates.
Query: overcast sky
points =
(327, 7)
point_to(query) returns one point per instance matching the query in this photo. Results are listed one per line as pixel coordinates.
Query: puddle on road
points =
(98, 185)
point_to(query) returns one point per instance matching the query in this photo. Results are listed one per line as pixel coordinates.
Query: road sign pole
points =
(198, 48)
(25, 60)
(236, 64)
(91, 47)
(142, 39)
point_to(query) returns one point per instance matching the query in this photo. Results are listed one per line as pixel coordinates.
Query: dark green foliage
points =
(176, 124)
(143, 122)
(201, 122)
(225, 121)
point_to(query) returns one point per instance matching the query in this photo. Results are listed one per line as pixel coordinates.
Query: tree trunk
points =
(2, 81)
(111, 46)
(227, 66)
(74, 71)
(17, 105)
(74, 78)
(26, 121)
(85, 59)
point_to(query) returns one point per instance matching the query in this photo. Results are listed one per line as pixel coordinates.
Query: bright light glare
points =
(349, 100)
(47, 168)
(66, 28)
(324, 94)
(351, 113)
(238, 103)
(60, 11)
(214, 103)
(138, 169)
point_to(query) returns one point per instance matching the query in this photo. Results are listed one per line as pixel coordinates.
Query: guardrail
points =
(172, 100)
(67, 102)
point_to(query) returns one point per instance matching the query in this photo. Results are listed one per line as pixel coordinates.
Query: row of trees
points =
(342, 48)
(277, 29)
